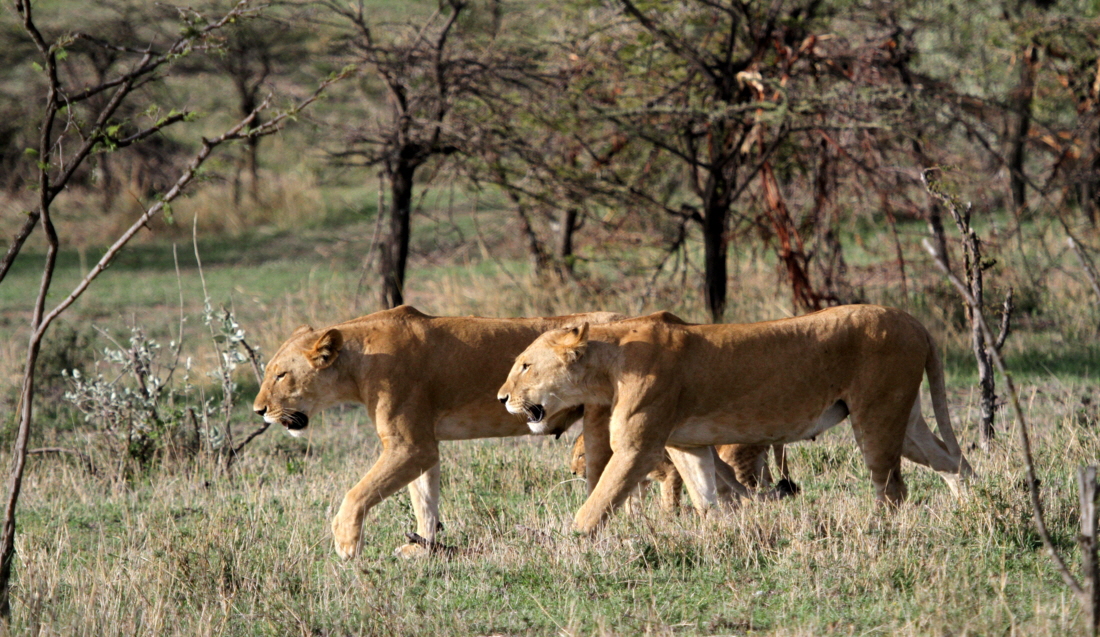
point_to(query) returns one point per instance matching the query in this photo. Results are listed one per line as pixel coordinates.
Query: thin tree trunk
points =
(15, 482)
(1024, 92)
(985, 382)
(254, 167)
(395, 249)
(26, 398)
(714, 260)
(972, 251)
(568, 223)
(716, 209)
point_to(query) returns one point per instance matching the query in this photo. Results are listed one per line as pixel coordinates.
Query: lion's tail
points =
(933, 366)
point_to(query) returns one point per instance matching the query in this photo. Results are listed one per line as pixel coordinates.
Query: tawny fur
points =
(423, 379)
(664, 474)
(685, 387)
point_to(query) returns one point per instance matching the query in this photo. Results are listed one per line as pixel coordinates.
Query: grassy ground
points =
(185, 549)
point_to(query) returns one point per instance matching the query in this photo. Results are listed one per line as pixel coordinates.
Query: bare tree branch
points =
(1025, 438)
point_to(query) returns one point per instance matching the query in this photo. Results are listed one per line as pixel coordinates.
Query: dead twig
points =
(1025, 438)
(432, 546)
(974, 267)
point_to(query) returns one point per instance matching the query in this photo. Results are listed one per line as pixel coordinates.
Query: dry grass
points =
(185, 549)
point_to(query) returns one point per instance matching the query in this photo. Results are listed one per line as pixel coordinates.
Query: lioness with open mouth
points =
(423, 379)
(690, 386)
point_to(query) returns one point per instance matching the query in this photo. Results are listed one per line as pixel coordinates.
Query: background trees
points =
(82, 119)
(704, 124)
(640, 138)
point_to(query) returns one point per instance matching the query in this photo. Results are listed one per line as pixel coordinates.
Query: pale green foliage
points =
(135, 405)
(143, 409)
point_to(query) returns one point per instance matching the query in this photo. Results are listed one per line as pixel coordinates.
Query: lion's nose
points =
(503, 399)
(261, 411)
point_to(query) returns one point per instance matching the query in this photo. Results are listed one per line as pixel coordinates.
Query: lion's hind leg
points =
(924, 447)
(633, 504)
(696, 468)
(670, 491)
(880, 431)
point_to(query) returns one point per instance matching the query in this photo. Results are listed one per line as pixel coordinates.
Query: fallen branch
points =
(89, 466)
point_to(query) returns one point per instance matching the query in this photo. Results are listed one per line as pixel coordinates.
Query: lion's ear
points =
(573, 343)
(325, 350)
(301, 329)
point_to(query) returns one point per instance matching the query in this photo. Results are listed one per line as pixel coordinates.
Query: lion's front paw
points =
(345, 535)
(411, 551)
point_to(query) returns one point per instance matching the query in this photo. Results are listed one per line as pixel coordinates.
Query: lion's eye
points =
(280, 376)
(523, 368)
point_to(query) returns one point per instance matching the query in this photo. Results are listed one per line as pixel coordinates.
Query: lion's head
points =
(545, 379)
(301, 379)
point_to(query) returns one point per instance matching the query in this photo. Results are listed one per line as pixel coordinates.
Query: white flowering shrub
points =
(141, 400)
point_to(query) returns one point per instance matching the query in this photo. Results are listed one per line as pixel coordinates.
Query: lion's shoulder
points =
(402, 312)
(663, 317)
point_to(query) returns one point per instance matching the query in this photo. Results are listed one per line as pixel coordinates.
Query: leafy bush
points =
(141, 402)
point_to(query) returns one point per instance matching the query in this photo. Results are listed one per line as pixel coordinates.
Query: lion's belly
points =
(462, 426)
(724, 428)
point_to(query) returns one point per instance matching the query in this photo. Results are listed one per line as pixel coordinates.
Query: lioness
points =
(688, 386)
(423, 379)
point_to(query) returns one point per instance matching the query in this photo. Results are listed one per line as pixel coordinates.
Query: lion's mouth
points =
(296, 421)
(535, 414)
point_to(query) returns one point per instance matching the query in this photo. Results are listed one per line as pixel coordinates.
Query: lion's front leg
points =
(638, 442)
(623, 473)
(424, 494)
(399, 464)
(597, 442)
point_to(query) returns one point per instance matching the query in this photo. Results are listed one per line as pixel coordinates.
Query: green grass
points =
(186, 550)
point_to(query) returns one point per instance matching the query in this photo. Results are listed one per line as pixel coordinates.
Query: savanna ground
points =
(182, 547)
